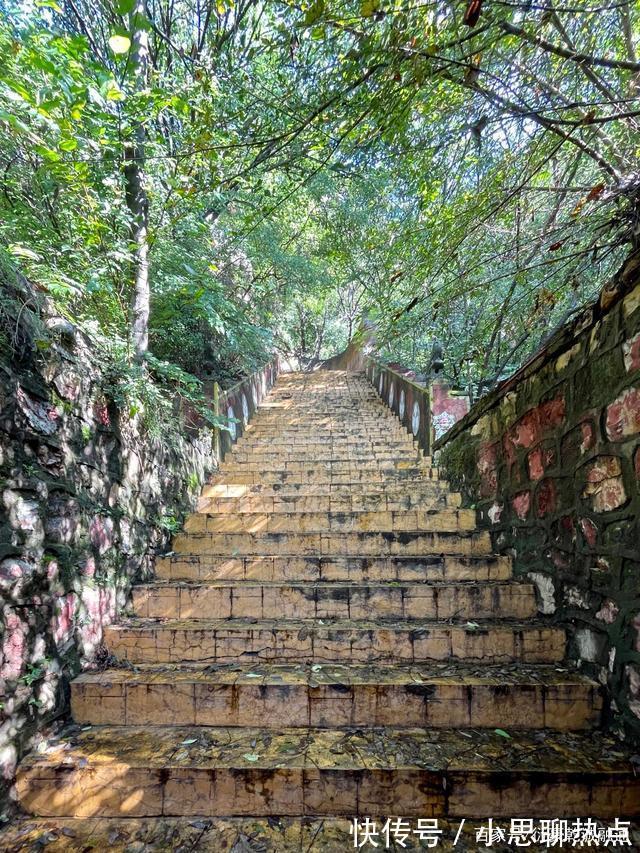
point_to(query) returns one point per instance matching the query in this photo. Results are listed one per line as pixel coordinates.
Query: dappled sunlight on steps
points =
(330, 636)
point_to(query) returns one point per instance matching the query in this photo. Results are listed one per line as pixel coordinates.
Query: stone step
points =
(397, 488)
(286, 458)
(320, 444)
(386, 434)
(385, 544)
(446, 696)
(254, 600)
(341, 502)
(358, 641)
(190, 771)
(307, 471)
(354, 569)
(350, 448)
(341, 479)
(351, 423)
(444, 519)
(327, 439)
(304, 438)
(354, 421)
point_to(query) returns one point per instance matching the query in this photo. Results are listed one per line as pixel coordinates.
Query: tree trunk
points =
(136, 194)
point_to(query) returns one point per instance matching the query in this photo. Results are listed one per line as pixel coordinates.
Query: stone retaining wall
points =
(86, 499)
(551, 460)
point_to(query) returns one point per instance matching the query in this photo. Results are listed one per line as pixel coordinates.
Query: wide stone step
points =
(353, 425)
(313, 406)
(339, 479)
(333, 696)
(341, 502)
(325, 440)
(325, 444)
(282, 465)
(254, 600)
(376, 438)
(443, 519)
(383, 544)
(354, 569)
(356, 423)
(189, 771)
(338, 453)
(397, 489)
(357, 641)
(278, 468)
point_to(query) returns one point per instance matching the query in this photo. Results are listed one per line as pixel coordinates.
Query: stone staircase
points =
(330, 636)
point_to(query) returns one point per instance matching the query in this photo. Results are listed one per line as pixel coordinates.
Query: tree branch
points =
(574, 56)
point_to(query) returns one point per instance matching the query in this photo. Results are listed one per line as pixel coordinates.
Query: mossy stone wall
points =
(551, 461)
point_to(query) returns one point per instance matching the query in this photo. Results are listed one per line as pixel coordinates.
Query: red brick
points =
(623, 415)
(631, 353)
(546, 498)
(521, 504)
(588, 436)
(552, 413)
(539, 460)
(563, 531)
(526, 431)
(545, 417)
(604, 484)
(488, 469)
(535, 464)
(589, 531)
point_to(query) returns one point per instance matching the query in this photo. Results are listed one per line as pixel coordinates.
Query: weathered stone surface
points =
(335, 695)
(313, 657)
(566, 437)
(168, 771)
(488, 468)
(521, 504)
(623, 415)
(631, 351)
(546, 498)
(63, 574)
(604, 484)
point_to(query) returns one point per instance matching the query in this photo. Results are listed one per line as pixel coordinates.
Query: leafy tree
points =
(223, 178)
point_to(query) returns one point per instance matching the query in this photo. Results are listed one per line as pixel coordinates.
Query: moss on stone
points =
(459, 463)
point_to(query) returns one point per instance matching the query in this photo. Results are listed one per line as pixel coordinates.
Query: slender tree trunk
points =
(136, 194)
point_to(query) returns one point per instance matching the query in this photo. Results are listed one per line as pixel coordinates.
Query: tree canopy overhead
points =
(258, 174)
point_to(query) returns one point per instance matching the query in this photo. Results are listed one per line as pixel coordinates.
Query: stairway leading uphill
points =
(331, 636)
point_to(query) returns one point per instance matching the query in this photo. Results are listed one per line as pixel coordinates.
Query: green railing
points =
(410, 401)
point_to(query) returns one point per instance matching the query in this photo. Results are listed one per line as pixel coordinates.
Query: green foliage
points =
(305, 166)
(153, 391)
(35, 672)
(169, 524)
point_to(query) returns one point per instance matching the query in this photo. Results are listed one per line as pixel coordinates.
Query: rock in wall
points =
(86, 498)
(551, 460)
